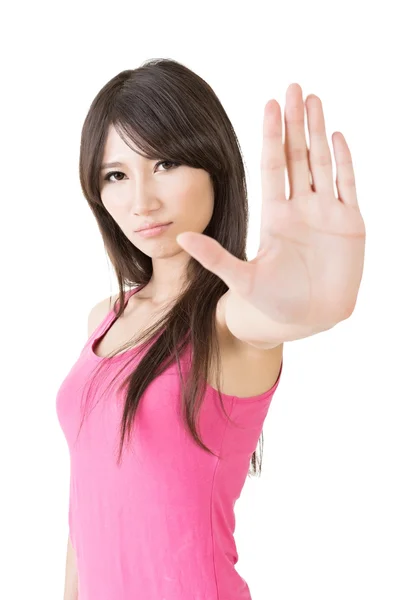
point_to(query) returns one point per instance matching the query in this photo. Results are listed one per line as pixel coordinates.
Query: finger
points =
(273, 161)
(320, 154)
(295, 143)
(345, 179)
(209, 253)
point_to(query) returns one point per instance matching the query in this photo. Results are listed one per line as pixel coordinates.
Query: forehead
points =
(115, 145)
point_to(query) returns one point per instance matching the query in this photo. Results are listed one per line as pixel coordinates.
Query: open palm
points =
(311, 254)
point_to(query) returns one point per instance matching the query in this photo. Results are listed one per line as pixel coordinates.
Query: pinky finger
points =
(345, 179)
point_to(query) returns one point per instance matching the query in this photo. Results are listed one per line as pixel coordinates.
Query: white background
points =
(323, 519)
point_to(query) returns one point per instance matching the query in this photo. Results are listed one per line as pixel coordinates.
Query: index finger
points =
(273, 159)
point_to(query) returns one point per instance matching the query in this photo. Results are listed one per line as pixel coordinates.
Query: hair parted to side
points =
(170, 112)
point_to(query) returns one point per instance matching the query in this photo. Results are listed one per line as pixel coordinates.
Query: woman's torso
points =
(242, 373)
(160, 525)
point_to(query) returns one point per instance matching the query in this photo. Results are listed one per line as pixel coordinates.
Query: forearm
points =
(254, 327)
(71, 574)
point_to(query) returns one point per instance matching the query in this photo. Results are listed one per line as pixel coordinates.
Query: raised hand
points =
(310, 261)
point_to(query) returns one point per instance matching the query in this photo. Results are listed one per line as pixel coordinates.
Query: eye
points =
(161, 162)
(111, 174)
(167, 162)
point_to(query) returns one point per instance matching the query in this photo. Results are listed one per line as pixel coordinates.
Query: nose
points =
(143, 197)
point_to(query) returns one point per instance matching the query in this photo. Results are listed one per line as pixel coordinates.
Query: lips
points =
(153, 231)
(151, 226)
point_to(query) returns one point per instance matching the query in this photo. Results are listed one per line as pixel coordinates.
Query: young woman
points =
(165, 405)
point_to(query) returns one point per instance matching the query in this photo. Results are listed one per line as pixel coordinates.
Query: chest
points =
(243, 371)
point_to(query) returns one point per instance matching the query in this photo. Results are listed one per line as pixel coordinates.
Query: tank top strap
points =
(109, 317)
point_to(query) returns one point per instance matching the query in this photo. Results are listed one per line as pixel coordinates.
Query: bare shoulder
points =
(251, 371)
(248, 370)
(99, 311)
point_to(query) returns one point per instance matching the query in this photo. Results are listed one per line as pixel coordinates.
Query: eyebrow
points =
(111, 164)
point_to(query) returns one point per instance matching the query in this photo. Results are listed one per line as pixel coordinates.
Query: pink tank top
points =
(159, 526)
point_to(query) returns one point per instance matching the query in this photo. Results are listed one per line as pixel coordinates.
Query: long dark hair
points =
(170, 112)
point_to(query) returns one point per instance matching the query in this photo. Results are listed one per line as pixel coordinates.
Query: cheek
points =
(197, 211)
(115, 207)
(117, 214)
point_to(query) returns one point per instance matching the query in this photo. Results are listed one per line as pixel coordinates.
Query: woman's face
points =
(141, 191)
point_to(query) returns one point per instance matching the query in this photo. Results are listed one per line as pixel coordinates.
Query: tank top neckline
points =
(105, 325)
(109, 319)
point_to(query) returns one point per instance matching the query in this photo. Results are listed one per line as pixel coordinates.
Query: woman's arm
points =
(71, 574)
